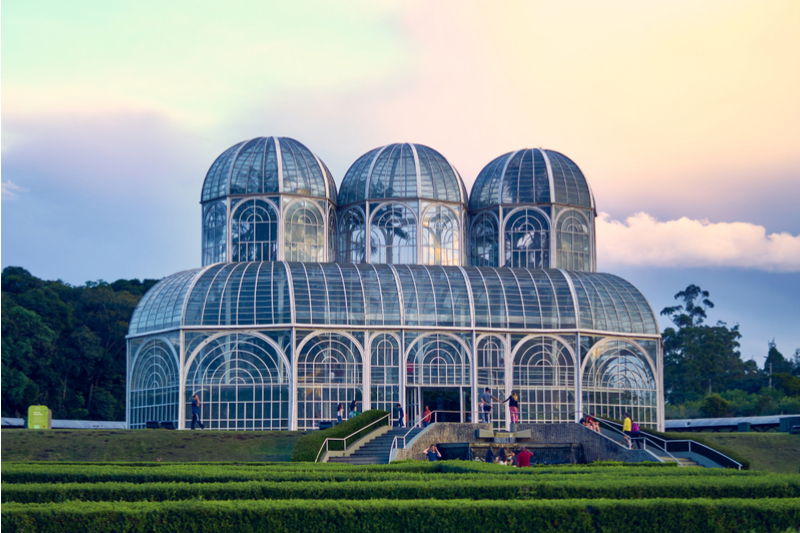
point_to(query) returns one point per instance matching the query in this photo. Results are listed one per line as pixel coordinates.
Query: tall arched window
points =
(305, 233)
(393, 235)
(527, 240)
(329, 372)
(441, 241)
(352, 236)
(617, 379)
(242, 382)
(485, 241)
(254, 231)
(573, 242)
(492, 373)
(544, 378)
(385, 372)
(154, 385)
(332, 237)
(438, 360)
(215, 217)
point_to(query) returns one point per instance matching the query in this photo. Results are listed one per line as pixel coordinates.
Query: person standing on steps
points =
(196, 412)
(339, 412)
(486, 405)
(513, 406)
(401, 417)
(626, 430)
(426, 417)
(353, 407)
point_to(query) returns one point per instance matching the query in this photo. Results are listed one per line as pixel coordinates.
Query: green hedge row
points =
(418, 470)
(779, 486)
(330, 516)
(308, 445)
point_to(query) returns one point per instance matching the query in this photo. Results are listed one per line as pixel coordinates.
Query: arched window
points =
(438, 360)
(329, 372)
(492, 373)
(544, 378)
(305, 233)
(441, 242)
(242, 382)
(393, 235)
(618, 379)
(215, 216)
(527, 240)
(385, 372)
(352, 236)
(154, 385)
(332, 237)
(573, 242)
(485, 241)
(254, 232)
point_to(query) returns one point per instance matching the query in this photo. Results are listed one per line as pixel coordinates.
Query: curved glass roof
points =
(161, 307)
(402, 170)
(269, 293)
(268, 165)
(531, 176)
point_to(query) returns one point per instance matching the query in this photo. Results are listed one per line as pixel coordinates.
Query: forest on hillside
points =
(64, 346)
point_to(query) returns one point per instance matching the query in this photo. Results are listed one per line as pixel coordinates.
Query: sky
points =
(684, 116)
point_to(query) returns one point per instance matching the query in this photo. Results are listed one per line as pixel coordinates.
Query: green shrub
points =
(308, 445)
(440, 487)
(442, 516)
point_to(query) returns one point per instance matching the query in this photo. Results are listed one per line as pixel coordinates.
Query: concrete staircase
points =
(375, 451)
(682, 461)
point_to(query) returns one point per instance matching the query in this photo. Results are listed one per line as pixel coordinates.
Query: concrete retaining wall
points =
(596, 447)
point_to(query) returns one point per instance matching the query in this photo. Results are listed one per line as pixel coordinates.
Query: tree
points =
(64, 346)
(775, 362)
(714, 406)
(700, 359)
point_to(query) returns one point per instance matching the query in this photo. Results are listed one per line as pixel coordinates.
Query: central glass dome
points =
(402, 204)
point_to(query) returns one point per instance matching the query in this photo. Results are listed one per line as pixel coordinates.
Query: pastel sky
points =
(684, 116)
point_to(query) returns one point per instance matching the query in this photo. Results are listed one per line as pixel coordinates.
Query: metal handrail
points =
(610, 426)
(705, 451)
(344, 439)
(412, 427)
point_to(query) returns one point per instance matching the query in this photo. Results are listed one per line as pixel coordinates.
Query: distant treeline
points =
(705, 376)
(64, 346)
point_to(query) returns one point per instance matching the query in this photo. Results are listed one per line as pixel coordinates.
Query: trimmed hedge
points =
(308, 445)
(326, 516)
(519, 487)
(53, 473)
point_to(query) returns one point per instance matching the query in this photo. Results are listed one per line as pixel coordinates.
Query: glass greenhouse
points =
(272, 334)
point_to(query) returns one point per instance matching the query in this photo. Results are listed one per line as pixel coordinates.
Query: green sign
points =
(38, 417)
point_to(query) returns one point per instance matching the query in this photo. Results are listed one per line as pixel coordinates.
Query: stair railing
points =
(686, 445)
(326, 444)
(610, 426)
(435, 416)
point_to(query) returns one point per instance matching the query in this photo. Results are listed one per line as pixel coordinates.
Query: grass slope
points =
(146, 445)
(772, 452)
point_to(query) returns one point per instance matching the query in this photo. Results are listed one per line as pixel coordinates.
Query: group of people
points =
(590, 422)
(505, 457)
(486, 406)
(630, 430)
(353, 408)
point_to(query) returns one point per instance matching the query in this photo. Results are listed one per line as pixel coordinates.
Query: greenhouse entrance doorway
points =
(448, 404)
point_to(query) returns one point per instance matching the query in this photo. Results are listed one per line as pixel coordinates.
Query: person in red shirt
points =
(524, 457)
(426, 417)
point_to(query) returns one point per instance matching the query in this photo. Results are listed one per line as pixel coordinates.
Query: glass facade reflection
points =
(309, 297)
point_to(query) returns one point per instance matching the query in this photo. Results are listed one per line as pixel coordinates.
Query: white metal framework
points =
(271, 334)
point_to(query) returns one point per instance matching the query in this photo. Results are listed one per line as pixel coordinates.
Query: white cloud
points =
(10, 190)
(641, 240)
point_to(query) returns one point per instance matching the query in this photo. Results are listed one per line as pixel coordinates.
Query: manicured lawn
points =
(146, 445)
(773, 452)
